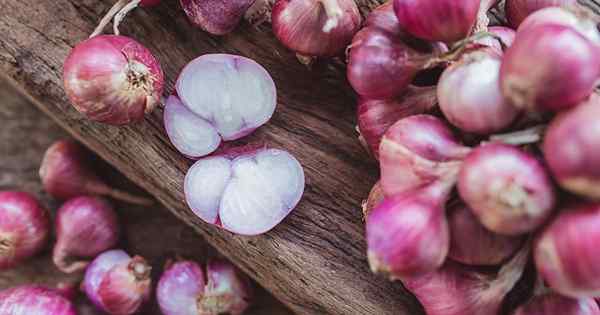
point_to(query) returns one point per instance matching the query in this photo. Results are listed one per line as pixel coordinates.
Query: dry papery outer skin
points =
(572, 149)
(508, 189)
(376, 116)
(437, 20)
(455, 290)
(216, 16)
(534, 67)
(373, 200)
(34, 300)
(416, 151)
(117, 283)
(24, 227)
(383, 59)
(473, 244)
(565, 252)
(113, 79)
(555, 304)
(246, 193)
(320, 28)
(85, 227)
(517, 10)
(579, 18)
(469, 94)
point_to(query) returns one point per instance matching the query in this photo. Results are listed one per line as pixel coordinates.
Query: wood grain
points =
(315, 260)
(25, 133)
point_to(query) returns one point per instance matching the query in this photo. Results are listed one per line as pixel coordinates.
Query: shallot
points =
(555, 304)
(534, 68)
(85, 227)
(376, 116)
(501, 38)
(113, 79)
(216, 16)
(518, 10)
(34, 300)
(66, 173)
(24, 227)
(572, 149)
(455, 290)
(246, 192)
(576, 17)
(118, 284)
(508, 189)
(320, 28)
(472, 244)
(184, 289)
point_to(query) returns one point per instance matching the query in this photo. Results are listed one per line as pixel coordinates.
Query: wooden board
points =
(25, 133)
(315, 260)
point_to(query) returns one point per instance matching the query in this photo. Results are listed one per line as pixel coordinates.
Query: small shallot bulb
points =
(246, 193)
(502, 39)
(24, 227)
(572, 149)
(184, 289)
(416, 151)
(565, 252)
(469, 94)
(438, 20)
(555, 304)
(66, 174)
(534, 68)
(508, 189)
(518, 10)
(576, 17)
(35, 300)
(118, 284)
(455, 290)
(320, 28)
(85, 227)
(407, 235)
(383, 60)
(216, 16)
(473, 244)
(376, 116)
(113, 79)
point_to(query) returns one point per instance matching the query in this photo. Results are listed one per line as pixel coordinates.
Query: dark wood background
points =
(315, 260)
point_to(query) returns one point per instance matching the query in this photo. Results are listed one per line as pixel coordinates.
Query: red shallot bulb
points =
(473, 244)
(437, 20)
(246, 193)
(555, 304)
(572, 149)
(375, 116)
(502, 39)
(66, 174)
(566, 254)
(218, 93)
(383, 60)
(113, 79)
(34, 300)
(183, 289)
(85, 227)
(518, 10)
(320, 28)
(216, 16)
(454, 290)
(118, 284)
(417, 151)
(469, 94)
(24, 227)
(508, 189)
(534, 68)
(578, 18)
(407, 235)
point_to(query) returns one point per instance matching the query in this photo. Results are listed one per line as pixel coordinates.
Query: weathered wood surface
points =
(315, 261)
(152, 232)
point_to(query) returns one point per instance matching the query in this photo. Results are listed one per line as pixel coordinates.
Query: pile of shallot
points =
(87, 234)
(497, 159)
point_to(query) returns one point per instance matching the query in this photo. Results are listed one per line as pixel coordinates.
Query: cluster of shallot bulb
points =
(526, 182)
(87, 234)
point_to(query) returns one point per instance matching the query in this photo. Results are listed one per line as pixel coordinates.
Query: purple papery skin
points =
(552, 303)
(34, 300)
(179, 288)
(97, 269)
